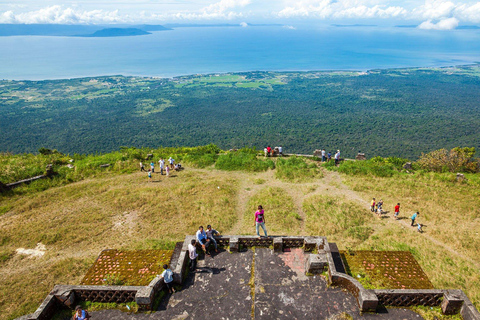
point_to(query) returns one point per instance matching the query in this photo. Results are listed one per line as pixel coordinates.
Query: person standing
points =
(192, 253)
(167, 276)
(149, 176)
(167, 170)
(152, 166)
(269, 150)
(337, 157)
(324, 158)
(162, 165)
(397, 211)
(171, 161)
(415, 215)
(265, 151)
(260, 221)
(372, 205)
(280, 151)
(329, 156)
(142, 167)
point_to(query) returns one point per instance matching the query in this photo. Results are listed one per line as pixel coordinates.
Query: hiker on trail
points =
(167, 276)
(162, 165)
(415, 215)
(265, 151)
(372, 205)
(167, 170)
(202, 239)
(80, 314)
(192, 253)
(269, 150)
(379, 207)
(142, 167)
(260, 221)
(149, 176)
(211, 233)
(171, 161)
(324, 158)
(329, 156)
(397, 211)
(280, 151)
(337, 157)
(152, 166)
(419, 227)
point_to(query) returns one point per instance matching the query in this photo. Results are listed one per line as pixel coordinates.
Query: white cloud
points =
(445, 24)
(434, 13)
(58, 15)
(289, 27)
(243, 24)
(434, 9)
(325, 9)
(469, 13)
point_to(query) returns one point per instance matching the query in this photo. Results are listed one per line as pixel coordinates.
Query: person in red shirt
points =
(397, 211)
(269, 150)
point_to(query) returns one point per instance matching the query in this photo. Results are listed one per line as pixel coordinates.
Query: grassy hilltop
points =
(86, 209)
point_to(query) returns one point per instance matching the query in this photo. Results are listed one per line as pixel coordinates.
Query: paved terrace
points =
(221, 288)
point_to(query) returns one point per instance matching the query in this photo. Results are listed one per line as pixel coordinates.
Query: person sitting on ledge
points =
(167, 276)
(211, 233)
(202, 239)
(80, 314)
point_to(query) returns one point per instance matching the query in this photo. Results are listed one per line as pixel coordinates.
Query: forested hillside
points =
(400, 112)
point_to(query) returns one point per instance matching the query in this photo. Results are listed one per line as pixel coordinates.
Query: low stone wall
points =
(408, 298)
(451, 301)
(367, 301)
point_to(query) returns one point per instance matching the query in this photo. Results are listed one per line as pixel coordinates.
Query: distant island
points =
(77, 30)
(117, 32)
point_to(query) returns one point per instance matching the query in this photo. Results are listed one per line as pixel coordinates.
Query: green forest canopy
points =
(397, 112)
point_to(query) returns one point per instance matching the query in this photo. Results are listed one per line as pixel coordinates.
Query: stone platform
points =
(223, 287)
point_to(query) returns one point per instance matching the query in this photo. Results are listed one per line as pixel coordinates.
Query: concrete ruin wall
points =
(324, 256)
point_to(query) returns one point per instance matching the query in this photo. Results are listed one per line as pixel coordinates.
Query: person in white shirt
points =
(280, 151)
(192, 253)
(171, 161)
(167, 276)
(337, 157)
(324, 158)
(162, 165)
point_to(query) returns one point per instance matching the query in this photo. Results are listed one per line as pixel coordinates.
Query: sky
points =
(428, 14)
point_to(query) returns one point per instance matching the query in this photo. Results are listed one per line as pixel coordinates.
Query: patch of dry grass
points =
(448, 248)
(79, 220)
(336, 218)
(280, 214)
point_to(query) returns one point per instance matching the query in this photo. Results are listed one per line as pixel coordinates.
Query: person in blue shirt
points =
(167, 276)
(202, 239)
(415, 215)
(80, 314)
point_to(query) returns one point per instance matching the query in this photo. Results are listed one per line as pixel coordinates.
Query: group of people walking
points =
(377, 207)
(164, 167)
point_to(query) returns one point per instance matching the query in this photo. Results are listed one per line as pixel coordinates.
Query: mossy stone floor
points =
(385, 269)
(133, 268)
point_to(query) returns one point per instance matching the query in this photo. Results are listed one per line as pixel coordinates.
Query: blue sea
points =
(195, 50)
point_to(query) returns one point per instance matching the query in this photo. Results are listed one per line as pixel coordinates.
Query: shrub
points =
(243, 159)
(455, 160)
(295, 169)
